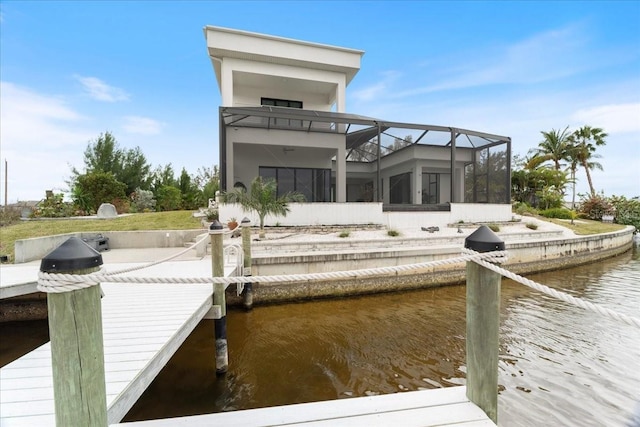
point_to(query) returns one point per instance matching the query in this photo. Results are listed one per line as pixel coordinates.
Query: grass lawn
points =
(174, 220)
(586, 226)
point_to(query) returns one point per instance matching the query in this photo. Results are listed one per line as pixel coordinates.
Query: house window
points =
(400, 188)
(280, 103)
(430, 188)
(280, 122)
(313, 184)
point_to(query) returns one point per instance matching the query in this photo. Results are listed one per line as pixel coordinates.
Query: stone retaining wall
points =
(524, 258)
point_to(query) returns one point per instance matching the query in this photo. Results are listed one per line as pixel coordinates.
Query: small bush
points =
(142, 201)
(522, 208)
(560, 213)
(494, 227)
(211, 214)
(531, 226)
(9, 216)
(595, 206)
(344, 234)
(393, 233)
(627, 210)
(53, 207)
(121, 205)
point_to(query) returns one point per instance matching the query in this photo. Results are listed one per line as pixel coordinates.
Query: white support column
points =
(341, 175)
(340, 102)
(460, 185)
(385, 190)
(226, 84)
(417, 184)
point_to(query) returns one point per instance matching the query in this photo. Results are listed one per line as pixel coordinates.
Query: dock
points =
(438, 407)
(143, 326)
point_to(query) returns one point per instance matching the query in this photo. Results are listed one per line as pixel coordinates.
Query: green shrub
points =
(142, 200)
(494, 227)
(93, 189)
(53, 207)
(9, 216)
(560, 213)
(522, 208)
(393, 233)
(596, 206)
(169, 198)
(344, 234)
(531, 226)
(627, 211)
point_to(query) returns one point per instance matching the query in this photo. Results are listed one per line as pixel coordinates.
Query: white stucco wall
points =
(371, 213)
(313, 214)
(480, 212)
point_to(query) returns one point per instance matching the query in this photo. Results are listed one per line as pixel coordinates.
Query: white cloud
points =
(41, 135)
(99, 90)
(542, 57)
(615, 118)
(377, 89)
(142, 125)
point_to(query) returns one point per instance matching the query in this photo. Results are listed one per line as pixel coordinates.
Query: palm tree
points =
(263, 199)
(583, 149)
(573, 166)
(553, 147)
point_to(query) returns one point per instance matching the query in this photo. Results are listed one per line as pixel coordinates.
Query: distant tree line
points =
(125, 178)
(540, 180)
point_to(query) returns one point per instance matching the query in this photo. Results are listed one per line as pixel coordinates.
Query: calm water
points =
(559, 365)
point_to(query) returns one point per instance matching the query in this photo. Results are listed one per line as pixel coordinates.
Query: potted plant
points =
(232, 223)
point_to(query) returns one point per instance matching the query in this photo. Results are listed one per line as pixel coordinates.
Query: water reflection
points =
(559, 365)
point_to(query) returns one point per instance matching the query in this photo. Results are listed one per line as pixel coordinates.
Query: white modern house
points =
(284, 116)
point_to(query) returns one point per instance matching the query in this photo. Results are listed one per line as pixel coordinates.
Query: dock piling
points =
(219, 298)
(247, 294)
(75, 330)
(483, 324)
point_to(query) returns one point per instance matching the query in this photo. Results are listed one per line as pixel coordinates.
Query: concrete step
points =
(302, 243)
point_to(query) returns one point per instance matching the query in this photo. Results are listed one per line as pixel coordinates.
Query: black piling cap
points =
(215, 225)
(73, 254)
(484, 240)
(245, 220)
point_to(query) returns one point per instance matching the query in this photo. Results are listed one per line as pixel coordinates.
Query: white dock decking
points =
(143, 326)
(439, 407)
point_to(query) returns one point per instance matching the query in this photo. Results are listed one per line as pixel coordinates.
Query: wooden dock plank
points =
(439, 407)
(143, 327)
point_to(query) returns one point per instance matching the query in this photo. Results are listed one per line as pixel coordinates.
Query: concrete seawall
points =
(35, 248)
(526, 256)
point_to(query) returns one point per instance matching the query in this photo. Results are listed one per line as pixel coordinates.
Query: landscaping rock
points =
(107, 210)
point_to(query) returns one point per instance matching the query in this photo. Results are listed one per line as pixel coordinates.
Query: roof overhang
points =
(230, 43)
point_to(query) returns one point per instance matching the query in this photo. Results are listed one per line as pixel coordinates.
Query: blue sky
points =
(72, 70)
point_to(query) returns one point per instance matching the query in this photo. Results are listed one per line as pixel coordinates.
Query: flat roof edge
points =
(281, 39)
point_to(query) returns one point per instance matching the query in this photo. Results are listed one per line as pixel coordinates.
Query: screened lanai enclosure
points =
(339, 157)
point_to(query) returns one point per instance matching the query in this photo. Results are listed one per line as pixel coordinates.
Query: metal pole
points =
(6, 181)
(379, 194)
(454, 180)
